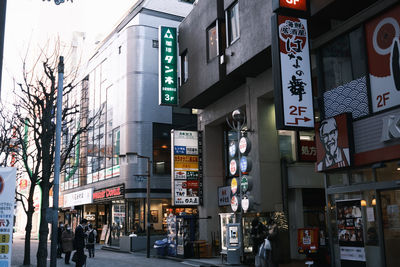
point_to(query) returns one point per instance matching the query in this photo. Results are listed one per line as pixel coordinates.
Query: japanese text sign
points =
(168, 66)
(186, 168)
(307, 151)
(7, 199)
(292, 74)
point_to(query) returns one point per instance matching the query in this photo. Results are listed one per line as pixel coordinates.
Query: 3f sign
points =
(292, 2)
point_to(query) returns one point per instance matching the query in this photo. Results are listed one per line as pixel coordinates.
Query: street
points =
(102, 257)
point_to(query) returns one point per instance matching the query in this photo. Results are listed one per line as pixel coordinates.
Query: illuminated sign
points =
(168, 67)
(108, 193)
(294, 4)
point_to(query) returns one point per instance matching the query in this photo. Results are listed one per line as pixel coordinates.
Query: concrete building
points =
(104, 182)
(226, 64)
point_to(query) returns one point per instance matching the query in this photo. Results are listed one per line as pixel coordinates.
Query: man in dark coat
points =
(79, 243)
(60, 229)
(258, 234)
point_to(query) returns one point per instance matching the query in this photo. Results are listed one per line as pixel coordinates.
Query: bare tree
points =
(36, 112)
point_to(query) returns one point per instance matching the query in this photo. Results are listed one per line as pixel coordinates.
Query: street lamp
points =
(133, 158)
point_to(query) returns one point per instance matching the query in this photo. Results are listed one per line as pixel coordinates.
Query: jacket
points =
(67, 240)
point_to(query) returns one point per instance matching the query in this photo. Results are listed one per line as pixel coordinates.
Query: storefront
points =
(73, 206)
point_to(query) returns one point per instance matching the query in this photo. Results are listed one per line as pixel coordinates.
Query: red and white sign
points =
(234, 203)
(294, 4)
(298, 111)
(383, 47)
(233, 167)
(108, 193)
(308, 151)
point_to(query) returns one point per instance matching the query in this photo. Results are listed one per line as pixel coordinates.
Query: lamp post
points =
(237, 124)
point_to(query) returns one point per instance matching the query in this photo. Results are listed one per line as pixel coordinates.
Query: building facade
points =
(105, 182)
(226, 64)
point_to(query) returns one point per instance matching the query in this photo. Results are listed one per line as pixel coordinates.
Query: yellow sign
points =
(4, 249)
(5, 238)
(186, 163)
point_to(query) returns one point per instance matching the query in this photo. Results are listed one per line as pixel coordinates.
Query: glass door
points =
(390, 205)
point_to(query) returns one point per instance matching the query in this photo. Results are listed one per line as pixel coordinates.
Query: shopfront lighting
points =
(363, 203)
(373, 202)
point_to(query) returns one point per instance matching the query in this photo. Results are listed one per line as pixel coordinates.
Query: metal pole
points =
(54, 231)
(148, 207)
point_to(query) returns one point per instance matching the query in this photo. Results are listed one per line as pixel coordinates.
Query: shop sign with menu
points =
(350, 230)
(187, 179)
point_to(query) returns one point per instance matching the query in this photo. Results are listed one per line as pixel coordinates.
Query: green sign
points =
(168, 72)
(246, 183)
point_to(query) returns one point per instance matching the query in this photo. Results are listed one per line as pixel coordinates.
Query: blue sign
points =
(179, 150)
(243, 164)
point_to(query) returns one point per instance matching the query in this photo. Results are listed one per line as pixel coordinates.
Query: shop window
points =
(184, 67)
(287, 144)
(212, 41)
(338, 179)
(116, 146)
(345, 75)
(232, 15)
(162, 148)
(388, 171)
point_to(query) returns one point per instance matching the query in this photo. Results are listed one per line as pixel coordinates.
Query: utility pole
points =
(148, 207)
(56, 182)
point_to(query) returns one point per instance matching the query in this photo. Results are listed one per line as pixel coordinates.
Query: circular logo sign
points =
(233, 167)
(245, 203)
(234, 186)
(244, 184)
(245, 164)
(234, 203)
(232, 149)
(244, 145)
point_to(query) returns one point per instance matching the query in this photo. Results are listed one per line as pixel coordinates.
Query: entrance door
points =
(390, 205)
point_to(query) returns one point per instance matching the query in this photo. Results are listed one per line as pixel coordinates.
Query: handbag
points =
(264, 249)
(75, 257)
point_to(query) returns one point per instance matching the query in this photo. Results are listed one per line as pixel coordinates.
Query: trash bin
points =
(161, 246)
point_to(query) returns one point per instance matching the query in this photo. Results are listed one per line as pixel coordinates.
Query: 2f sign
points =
(294, 4)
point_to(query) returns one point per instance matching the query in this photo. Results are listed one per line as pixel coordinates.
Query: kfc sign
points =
(108, 193)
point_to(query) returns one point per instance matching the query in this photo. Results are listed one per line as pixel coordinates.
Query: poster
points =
(334, 143)
(307, 240)
(350, 230)
(383, 48)
(7, 199)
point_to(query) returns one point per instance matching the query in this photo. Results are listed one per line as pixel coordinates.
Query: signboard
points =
(234, 203)
(78, 198)
(350, 230)
(168, 66)
(224, 196)
(307, 240)
(233, 167)
(307, 151)
(383, 48)
(246, 183)
(234, 186)
(108, 193)
(292, 73)
(7, 200)
(334, 143)
(244, 145)
(186, 167)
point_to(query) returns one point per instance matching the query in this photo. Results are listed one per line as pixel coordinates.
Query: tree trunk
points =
(42, 252)
(28, 231)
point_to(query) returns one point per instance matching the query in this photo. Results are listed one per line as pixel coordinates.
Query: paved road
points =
(102, 258)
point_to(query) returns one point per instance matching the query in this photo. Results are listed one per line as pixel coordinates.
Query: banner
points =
(7, 200)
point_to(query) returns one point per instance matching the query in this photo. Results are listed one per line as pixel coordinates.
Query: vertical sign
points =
(168, 67)
(383, 47)
(7, 200)
(187, 179)
(292, 73)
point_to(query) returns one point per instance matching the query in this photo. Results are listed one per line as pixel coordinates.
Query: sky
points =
(29, 23)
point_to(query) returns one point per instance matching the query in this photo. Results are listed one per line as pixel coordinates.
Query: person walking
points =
(91, 240)
(258, 234)
(79, 243)
(67, 240)
(60, 229)
(273, 260)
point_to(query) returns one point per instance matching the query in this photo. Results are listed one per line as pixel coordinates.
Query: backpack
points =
(91, 237)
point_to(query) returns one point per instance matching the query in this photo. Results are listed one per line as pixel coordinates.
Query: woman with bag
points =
(67, 240)
(258, 234)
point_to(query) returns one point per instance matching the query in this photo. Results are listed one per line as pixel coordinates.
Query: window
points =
(162, 148)
(232, 17)
(184, 67)
(212, 41)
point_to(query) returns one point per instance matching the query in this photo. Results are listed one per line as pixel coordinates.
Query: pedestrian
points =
(79, 243)
(273, 234)
(258, 234)
(60, 229)
(67, 240)
(91, 240)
